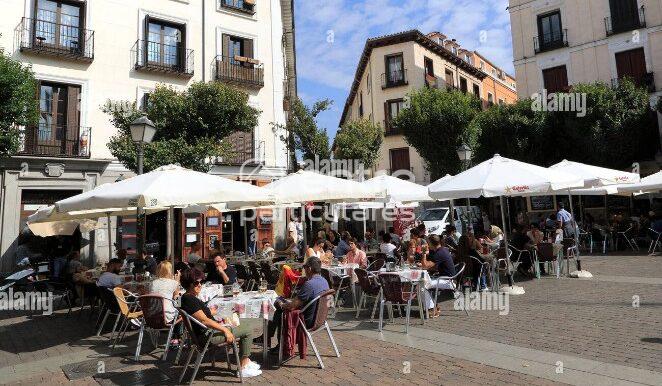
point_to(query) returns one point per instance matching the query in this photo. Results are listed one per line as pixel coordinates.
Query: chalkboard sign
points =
(541, 203)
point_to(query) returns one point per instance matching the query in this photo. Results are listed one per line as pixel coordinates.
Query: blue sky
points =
(330, 35)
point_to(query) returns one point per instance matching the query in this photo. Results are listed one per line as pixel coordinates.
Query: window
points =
(247, 6)
(555, 79)
(494, 72)
(399, 159)
(144, 101)
(476, 90)
(463, 85)
(482, 65)
(450, 79)
(391, 110)
(164, 42)
(394, 70)
(490, 99)
(467, 58)
(361, 104)
(367, 82)
(429, 66)
(624, 16)
(454, 50)
(550, 31)
(632, 64)
(58, 24)
(236, 49)
(500, 101)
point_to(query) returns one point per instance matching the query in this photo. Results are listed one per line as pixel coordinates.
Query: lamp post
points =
(464, 153)
(142, 132)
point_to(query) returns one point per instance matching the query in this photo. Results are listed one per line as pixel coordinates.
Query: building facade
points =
(392, 66)
(558, 43)
(84, 53)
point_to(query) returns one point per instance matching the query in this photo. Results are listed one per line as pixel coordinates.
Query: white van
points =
(436, 219)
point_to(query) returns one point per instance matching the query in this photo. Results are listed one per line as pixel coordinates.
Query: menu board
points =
(541, 203)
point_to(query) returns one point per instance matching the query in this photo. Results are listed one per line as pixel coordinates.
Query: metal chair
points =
(484, 269)
(655, 240)
(322, 303)
(519, 253)
(269, 273)
(369, 288)
(110, 305)
(255, 275)
(154, 319)
(200, 345)
(376, 265)
(569, 252)
(243, 275)
(395, 292)
(456, 279)
(598, 236)
(129, 311)
(628, 237)
(339, 283)
(546, 255)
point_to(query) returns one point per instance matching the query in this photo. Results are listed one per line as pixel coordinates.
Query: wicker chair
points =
(369, 288)
(129, 311)
(395, 292)
(154, 318)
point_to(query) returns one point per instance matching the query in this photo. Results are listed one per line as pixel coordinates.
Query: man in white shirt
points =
(111, 278)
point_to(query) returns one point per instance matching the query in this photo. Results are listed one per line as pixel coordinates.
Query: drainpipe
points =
(203, 42)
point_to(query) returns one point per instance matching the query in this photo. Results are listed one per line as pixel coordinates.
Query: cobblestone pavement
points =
(591, 319)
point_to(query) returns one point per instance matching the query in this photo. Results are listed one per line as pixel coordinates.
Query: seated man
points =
(314, 286)
(111, 278)
(440, 263)
(355, 255)
(222, 273)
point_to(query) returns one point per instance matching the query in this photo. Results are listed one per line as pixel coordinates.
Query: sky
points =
(330, 35)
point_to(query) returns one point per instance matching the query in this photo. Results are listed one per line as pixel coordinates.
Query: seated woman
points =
(192, 280)
(317, 250)
(388, 248)
(167, 285)
(467, 248)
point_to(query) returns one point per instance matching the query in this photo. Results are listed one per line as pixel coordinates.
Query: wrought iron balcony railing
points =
(389, 129)
(615, 24)
(239, 70)
(55, 39)
(394, 78)
(56, 141)
(164, 58)
(550, 41)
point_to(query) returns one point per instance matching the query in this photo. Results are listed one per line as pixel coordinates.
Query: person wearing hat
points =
(314, 286)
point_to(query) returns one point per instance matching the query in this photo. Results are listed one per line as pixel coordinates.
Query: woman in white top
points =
(317, 250)
(387, 248)
(167, 285)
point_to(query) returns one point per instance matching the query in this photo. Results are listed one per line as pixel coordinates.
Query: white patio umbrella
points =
(596, 179)
(499, 177)
(398, 190)
(304, 186)
(650, 184)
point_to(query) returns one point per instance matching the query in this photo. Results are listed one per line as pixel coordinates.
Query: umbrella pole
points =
(576, 234)
(110, 239)
(245, 226)
(304, 225)
(505, 241)
(451, 207)
(364, 224)
(170, 235)
(470, 221)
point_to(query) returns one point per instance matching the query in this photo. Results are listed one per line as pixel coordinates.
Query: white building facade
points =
(84, 53)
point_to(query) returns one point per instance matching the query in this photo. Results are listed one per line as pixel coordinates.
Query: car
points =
(436, 219)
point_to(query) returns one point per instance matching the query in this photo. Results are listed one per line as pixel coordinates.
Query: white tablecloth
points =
(414, 275)
(248, 305)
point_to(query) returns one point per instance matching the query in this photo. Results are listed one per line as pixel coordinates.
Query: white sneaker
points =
(253, 365)
(248, 372)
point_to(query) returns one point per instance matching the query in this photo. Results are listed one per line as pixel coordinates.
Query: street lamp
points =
(464, 153)
(142, 132)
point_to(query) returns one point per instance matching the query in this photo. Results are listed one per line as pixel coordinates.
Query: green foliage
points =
(304, 136)
(18, 102)
(191, 125)
(359, 140)
(618, 129)
(436, 123)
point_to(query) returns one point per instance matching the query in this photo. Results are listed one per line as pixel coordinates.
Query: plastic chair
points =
(395, 292)
(369, 288)
(200, 346)
(154, 319)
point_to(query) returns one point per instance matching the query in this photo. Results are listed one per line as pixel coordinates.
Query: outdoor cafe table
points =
(420, 278)
(249, 305)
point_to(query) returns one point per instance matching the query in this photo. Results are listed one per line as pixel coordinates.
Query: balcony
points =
(647, 81)
(53, 39)
(243, 6)
(616, 24)
(162, 58)
(46, 140)
(240, 71)
(394, 79)
(243, 151)
(550, 41)
(390, 130)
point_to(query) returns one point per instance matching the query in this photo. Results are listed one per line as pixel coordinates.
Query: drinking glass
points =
(263, 287)
(236, 290)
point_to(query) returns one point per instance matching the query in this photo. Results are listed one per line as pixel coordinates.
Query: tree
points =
(435, 124)
(191, 125)
(18, 102)
(359, 140)
(304, 136)
(616, 129)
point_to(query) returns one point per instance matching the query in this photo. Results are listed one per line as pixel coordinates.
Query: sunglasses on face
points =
(197, 282)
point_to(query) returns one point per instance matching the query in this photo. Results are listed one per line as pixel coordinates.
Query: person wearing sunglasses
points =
(191, 280)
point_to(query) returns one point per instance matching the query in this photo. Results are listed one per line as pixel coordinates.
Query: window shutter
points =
(387, 116)
(248, 48)
(73, 120)
(226, 46)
